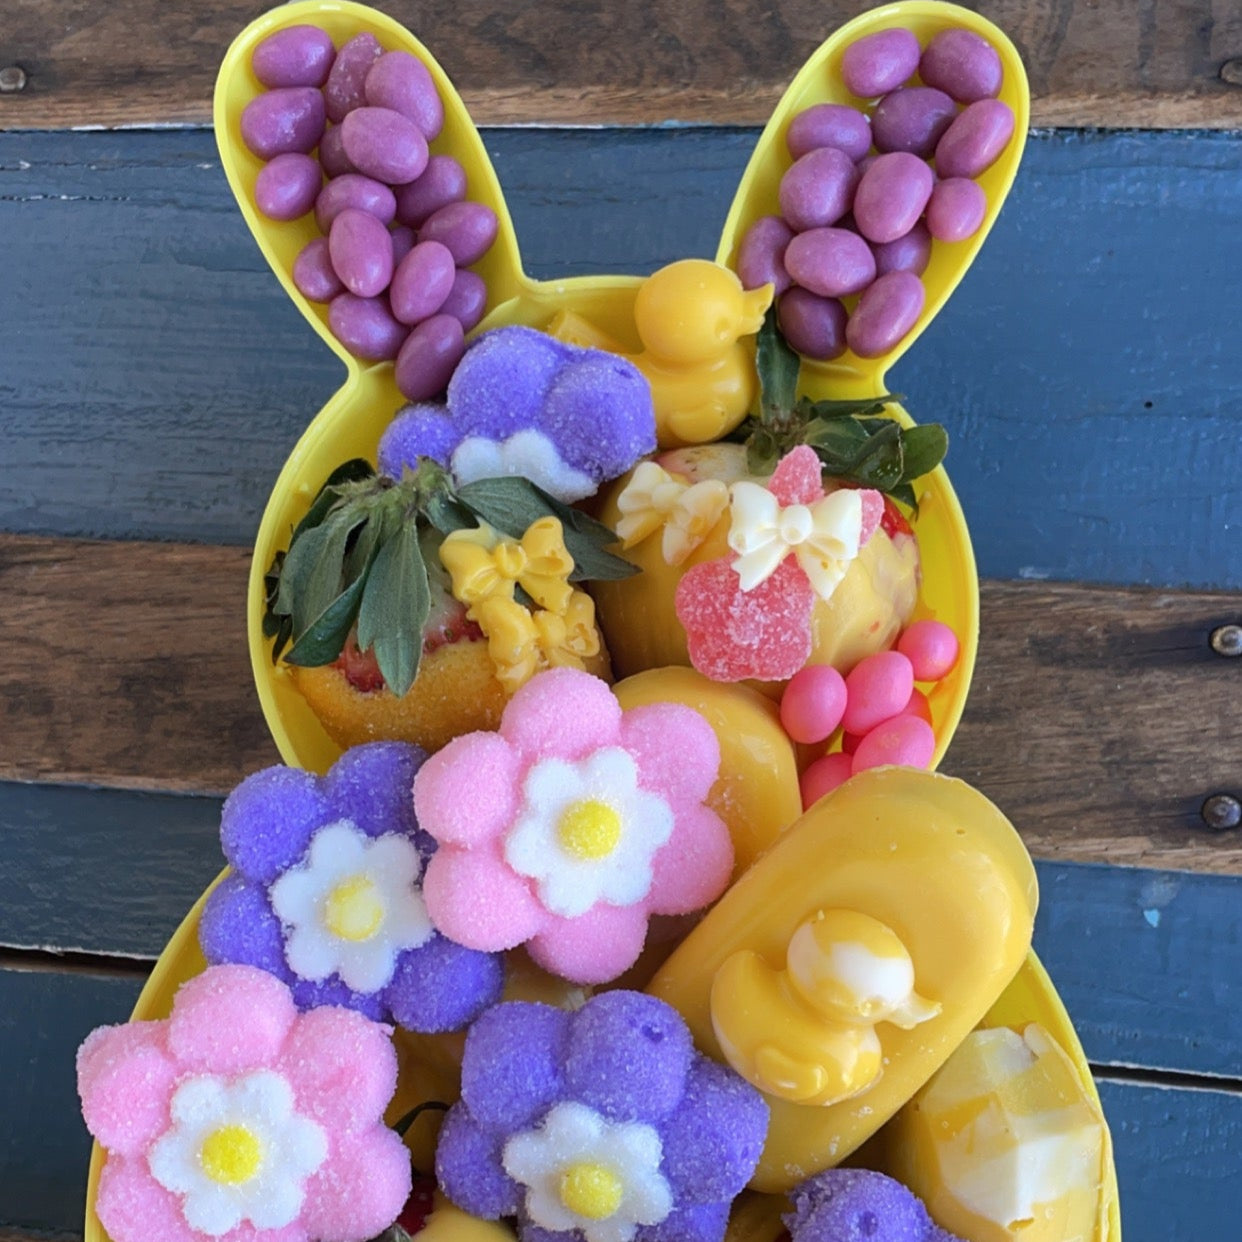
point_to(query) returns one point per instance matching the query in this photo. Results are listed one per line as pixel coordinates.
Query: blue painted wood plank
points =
(1089, 368)
(1149, 963)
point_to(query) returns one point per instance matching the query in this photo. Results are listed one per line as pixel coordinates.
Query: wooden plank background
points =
(1091, 62)
(153, 378)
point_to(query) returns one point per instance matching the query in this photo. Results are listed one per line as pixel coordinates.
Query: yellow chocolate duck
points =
(807, 1033)
(691, 318)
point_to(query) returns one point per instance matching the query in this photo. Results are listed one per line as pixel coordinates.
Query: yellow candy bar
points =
(843, 968)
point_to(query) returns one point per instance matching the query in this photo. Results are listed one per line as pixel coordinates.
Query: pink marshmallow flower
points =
(572, 825)
(240, 1120)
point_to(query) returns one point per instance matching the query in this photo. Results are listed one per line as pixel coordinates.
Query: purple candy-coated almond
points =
(467, 229)
(366, 327)
(343, 91)
(384, 144)
(879, 63)
(429, 356)
(829, 125)
(812, 325)
(443, 181)
(761, 256)
(400, 81)
(885, 314)
(956, 209)
(289, 119)
(912, 119)
(818, 189)
(332, 153)
(313, 273)
(962, 64)
(974, 141)
(287, 187)
(908, 253)
(295, 56)
(891, 196)
(354, 190)
(403, 239)
(467, 299)
(422, 282)
(830, 262)
(361, 251)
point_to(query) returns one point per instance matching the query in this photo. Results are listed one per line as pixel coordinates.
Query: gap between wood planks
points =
(1099, 718)
(1097, 64)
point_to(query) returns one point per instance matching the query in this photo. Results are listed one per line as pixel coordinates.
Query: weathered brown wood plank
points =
(1100, 718)
(1091, 63)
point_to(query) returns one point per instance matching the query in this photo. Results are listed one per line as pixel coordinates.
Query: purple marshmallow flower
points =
(523, 403)
(858, 1205)
(326, 894)
(603, 1125)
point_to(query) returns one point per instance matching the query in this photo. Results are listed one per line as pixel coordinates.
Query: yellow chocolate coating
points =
(930, 858)
(756, 793)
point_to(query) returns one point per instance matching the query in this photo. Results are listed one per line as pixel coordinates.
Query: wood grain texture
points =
(1099, 719)
(154, 375)
(1102, 63)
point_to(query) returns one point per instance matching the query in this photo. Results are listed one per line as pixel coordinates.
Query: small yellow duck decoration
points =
(807, 1033)
(693, 318)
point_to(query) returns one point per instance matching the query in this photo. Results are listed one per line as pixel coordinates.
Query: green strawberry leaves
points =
(856, 440)
(360, 557)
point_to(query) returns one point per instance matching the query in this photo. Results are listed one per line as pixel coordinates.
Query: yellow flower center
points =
(589, 829)
(592, 1191)
(354, 909)
(231, 1155)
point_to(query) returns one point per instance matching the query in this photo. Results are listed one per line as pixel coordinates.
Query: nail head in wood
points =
(12, 78)
(1221, 812)
(1231, 71)
(1226, 640)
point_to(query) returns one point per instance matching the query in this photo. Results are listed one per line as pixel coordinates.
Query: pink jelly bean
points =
(361, 251)
(849, 742)
(812, 325)
(289, 119)
(973, 143)
(962, 64)
(287, 187)
(403, 240)
(422, 282)
(344, 89)
(295, 56)
(818, 189)
(956, 209)
(885, 313)
(891, 196)
(830, 262)
(467, 299)
(467, 229)
(813, 703)
(761, 256)
(912, 119)
(384, 144)
(878, 688)
(429, 357)
(823, 776)
(931, 647)
(908, 253)
(366, 327)
(443, 181)
(829, 125)
(332, 155)
(313, 273)
(879, 63)
(400, 81)
(354, 190)
(905, 741)
(919, 705)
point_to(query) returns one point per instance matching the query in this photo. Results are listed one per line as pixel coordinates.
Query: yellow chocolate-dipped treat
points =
(756, 793)
(1003, 1144)
(894, 912)
(691, 317)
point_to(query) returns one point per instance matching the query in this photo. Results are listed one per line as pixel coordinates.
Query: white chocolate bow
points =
(655, 498)
(824, 536)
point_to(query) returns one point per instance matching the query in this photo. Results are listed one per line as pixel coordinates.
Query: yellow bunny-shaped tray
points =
(351, 423)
